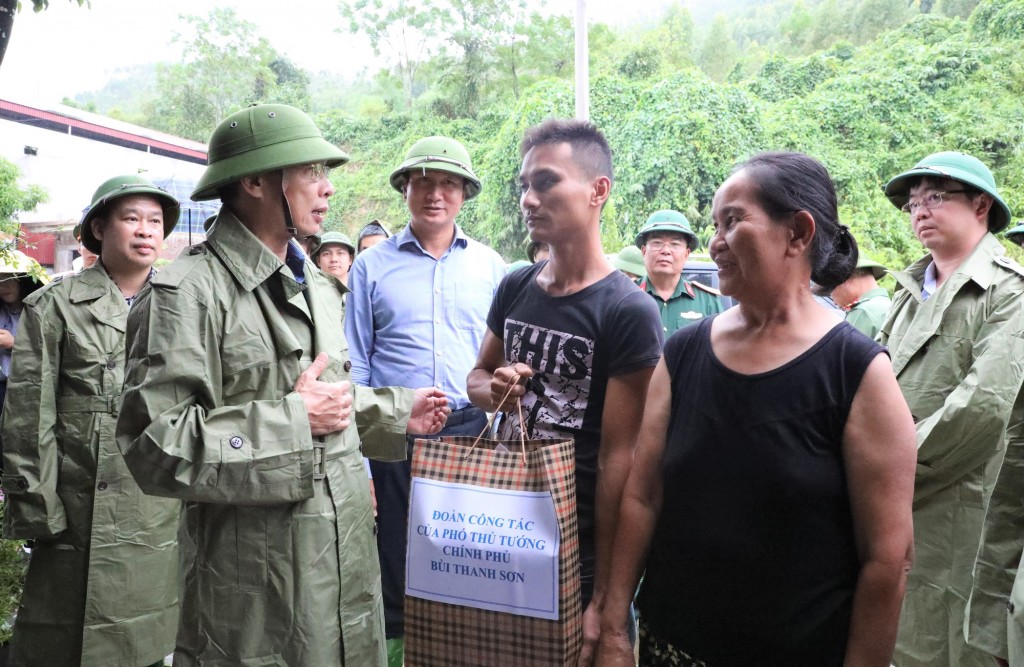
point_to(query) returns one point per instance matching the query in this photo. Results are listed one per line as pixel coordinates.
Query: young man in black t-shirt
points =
(587, 337)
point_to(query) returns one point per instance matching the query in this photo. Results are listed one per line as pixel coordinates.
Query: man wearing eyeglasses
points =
(418, 313)
(956, 336)
(237, 399)
(666, 241)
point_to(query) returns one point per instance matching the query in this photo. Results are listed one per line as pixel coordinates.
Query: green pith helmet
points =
(877, 270)
(1016, 234)
(336, 238)
(667, 221)
(438, 154)
(518, 264)
(123, 186)
(960, 167)
(262, 138)
(630, 260)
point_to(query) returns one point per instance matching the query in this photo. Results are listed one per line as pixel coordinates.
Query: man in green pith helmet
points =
(101, 587)
(237, 399)
(418, 313)
(666, 241)
(1016, 234)
(630, 260)
(864, 302)
(956, 336)
(334, 254)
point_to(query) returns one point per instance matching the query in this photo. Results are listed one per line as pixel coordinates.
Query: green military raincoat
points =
(280, 566)
(868, 312)
(101, 587)
(959, 359)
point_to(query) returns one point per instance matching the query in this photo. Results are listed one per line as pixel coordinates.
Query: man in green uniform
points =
(666, 241)
(101, 587)
(956, 336)
(1016, 234)
(865, 303)
(237, 400)
(630, 260)
(334, 255)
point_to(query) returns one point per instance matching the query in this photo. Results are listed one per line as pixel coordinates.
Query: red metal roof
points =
(57, 121)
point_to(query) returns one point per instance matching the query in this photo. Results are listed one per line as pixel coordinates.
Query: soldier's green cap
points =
(117, 187)
(877, 270)
(1016, 231)
(960, 167)
(261, 138)
(438, 154)
(518, 264)
(667, 221)
(630, 260)
(336, 238)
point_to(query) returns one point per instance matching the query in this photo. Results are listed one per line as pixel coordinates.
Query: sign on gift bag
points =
(469, 618)
(487, 548)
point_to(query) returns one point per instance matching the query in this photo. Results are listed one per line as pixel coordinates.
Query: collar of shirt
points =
(405, 238)
(930, 282)
(682, 287)
(249, 261)
(296, 260)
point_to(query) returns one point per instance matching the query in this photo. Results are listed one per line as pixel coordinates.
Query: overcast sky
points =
(68, 49)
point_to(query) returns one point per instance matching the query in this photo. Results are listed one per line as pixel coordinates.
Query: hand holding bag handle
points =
(490, 422)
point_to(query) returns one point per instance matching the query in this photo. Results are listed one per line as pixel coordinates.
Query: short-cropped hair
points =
(590, 150)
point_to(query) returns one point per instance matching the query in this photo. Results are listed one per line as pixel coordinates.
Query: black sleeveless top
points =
(753, 560)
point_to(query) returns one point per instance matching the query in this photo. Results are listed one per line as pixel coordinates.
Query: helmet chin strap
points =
(289, 224)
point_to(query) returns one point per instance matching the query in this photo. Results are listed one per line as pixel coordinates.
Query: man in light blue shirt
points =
(418, 314)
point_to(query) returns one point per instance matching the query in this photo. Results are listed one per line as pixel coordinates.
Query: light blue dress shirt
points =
(415, 321)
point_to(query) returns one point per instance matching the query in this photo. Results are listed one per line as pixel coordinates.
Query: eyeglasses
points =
(932, 200)
(674, 246)
(317, 172)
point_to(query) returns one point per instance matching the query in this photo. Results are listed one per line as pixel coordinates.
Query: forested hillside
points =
(867, 87)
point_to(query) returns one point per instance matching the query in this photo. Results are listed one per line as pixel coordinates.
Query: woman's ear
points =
(802, 227)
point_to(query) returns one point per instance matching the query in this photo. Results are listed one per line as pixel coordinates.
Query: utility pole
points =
(582, 62)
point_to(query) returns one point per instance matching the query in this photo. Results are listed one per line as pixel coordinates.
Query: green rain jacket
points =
(868, 312)
(101, 587)
(280, 563)
(958, 358)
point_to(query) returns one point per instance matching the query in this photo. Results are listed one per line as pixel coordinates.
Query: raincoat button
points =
(102, 486)
(1009, 606)
(235, 442)
(347, 366)
(111, 364)
(22, 484)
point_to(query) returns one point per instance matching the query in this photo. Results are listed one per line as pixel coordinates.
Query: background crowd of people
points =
(792, 484)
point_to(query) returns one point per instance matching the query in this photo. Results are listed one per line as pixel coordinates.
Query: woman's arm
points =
(641, 502)
(880, 455)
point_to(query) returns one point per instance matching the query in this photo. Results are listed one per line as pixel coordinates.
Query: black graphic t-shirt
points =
(574, 343)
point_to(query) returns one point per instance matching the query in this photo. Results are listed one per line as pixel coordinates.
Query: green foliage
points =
(13, 200)
(226, 66)
(719, 52)
(998, 19)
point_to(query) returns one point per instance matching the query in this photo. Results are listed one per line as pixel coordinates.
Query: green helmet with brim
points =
(438, 154)
(335, 238)
(125, 186)
(630, 260)
(262, 138)
(960, 167)
(667, 221)
(877, 270)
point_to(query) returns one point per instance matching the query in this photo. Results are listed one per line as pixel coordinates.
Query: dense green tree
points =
(718, 52)
(226, 65)
(402, 32)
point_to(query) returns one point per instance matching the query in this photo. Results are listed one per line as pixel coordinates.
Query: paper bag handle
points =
(490, 421)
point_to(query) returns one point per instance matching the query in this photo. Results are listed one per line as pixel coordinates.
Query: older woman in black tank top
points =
(770, 495)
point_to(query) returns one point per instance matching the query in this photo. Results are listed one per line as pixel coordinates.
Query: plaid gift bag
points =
(442, 633)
